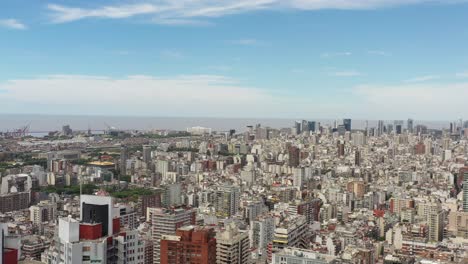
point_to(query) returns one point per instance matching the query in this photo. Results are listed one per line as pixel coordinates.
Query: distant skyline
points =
(363, 59)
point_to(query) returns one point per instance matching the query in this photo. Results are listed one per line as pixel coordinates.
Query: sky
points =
(363, 59)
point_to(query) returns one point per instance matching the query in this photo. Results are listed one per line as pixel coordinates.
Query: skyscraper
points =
(410, 125)
(146, 153)
(123, 160)
(347, 124)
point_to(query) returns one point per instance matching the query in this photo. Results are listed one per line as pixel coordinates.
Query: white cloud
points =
(462, 74)
(423, 78)
(335, 54)
(426, 101)
(189, 11)
(12, 23)
(200, 95)
(351, 73)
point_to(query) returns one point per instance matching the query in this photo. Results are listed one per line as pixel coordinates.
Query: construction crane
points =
(19, 133)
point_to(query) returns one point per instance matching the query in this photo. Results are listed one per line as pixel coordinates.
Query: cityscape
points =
(308, 193)
(234, 132)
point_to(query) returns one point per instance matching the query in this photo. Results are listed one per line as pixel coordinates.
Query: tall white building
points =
(232, 246)
(165, 222)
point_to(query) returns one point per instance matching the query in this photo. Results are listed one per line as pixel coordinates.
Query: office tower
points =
(189, 245)
(166, 222)
(227, 201)
(465, 192)
(294, 156)
(389, 128)
(398, 129)
(302, 256)
(380, 128)
(410, 126)
(297, 127)
(312, 126)
(123, 160)
(147, 153)
(305, 126)
(232, 246)
(347, 124)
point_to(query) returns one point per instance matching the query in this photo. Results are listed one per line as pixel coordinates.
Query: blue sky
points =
(369, 59)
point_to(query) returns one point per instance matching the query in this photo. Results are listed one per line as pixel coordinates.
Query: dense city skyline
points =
(265, 58)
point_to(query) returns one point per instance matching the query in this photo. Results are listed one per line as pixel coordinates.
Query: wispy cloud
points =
(171, 54)
(423, 78)
(462, 74)
(156, 94)
(190, 11)
(379, 53)
(335, 54)
(12, 24)
(350, 73)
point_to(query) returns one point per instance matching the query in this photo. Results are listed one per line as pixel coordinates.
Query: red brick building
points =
(189, 245)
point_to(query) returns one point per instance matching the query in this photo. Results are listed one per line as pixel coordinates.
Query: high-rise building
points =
(465, 192)
(298, 127)
(291, 232)
(347, 124)
(357, 158)
(189, 245)
(294, 156)
(227, 201)
(166, 222)
(436, 222)
(45, 211)
(123, 160)
(410, 126)
(262, 231)
(312, 126)
(308, 208)
(94, 238)
(146, 153)
(9, 246)
(380, 128)
(232, 246)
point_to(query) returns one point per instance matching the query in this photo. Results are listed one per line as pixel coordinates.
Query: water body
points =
(44, 123)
